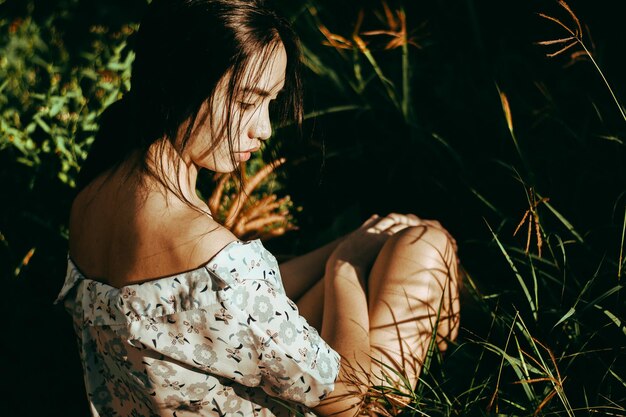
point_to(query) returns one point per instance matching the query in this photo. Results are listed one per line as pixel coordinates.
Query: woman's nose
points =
(261, 127)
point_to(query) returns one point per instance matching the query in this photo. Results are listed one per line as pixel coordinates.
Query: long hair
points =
(183, 48)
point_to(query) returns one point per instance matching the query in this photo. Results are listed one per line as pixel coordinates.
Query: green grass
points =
(520, 156)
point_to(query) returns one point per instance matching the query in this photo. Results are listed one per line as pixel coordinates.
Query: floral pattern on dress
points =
(223, 340)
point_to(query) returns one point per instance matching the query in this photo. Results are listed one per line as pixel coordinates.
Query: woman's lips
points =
(244, 156)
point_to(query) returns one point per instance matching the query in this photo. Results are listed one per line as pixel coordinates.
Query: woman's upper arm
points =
(250, 333)
(294, 362)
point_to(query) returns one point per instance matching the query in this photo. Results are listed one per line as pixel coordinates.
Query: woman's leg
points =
(301, 273)
(311, 304)
(412, 287)
(412, 295)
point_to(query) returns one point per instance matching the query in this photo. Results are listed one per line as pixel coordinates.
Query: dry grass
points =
(248, 212)
(575, 36)
(533, 220)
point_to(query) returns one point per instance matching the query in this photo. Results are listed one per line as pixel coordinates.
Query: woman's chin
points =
(222, 169)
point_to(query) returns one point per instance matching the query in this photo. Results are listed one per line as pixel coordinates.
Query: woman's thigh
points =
(412, 295)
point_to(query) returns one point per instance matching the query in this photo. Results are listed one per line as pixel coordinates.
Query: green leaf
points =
(566, 316)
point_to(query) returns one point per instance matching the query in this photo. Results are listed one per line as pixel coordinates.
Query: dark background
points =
(352, 164)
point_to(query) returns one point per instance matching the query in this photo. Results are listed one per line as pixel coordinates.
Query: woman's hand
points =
(361, 247)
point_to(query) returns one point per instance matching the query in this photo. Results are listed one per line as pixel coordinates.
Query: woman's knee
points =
(419, 259)
(419, 266)
(434, 253)
(430, 247)
(423, 258)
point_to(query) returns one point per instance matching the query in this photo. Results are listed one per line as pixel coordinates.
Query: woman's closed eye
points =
(246, 105)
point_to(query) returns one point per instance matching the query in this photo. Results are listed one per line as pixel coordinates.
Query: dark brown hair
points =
(183, 48)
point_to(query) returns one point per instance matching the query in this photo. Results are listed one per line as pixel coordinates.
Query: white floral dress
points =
(220, 340)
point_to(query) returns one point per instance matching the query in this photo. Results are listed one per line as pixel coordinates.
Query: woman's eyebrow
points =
(259, 91)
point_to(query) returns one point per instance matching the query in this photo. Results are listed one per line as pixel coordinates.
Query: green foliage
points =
(460, 119)
(50, 101)
(49, 106)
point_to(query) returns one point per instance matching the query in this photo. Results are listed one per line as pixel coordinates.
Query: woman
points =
(174, 315)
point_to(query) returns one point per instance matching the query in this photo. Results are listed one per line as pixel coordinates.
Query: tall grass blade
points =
(506, 109)
(533, 308)
(535, 282)
(315, 64)
(572, 310)
(621, 249)
(516, 366)
(453, 153)
(530, 393)
(406, 80)
(334, 109)
(612, 372)
(606, 82)
(486, 202)
(563, 220)
(555, 380)
(601, 297)
(566, 316)
(387, 83)
(617, 321)
(577, 37)
(502, 353)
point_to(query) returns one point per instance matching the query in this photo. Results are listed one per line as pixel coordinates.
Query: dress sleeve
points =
(293, 362)
(247, 331)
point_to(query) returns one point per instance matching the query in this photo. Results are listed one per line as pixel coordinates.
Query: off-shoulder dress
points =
(220, 340)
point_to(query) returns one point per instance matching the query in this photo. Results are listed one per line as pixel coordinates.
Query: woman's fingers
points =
(371, 222)
(391, 223)
(408, 219)
(385, 223)
(395, 228)
(394, 222)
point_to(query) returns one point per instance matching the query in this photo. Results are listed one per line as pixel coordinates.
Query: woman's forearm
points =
(346, 330)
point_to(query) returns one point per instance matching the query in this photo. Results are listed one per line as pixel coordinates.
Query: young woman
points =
(174, 315)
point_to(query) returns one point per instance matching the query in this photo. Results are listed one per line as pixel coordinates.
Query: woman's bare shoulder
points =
(200, 236)
(119, 240)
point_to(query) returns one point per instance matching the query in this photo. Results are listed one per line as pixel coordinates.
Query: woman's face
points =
(249, 118)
